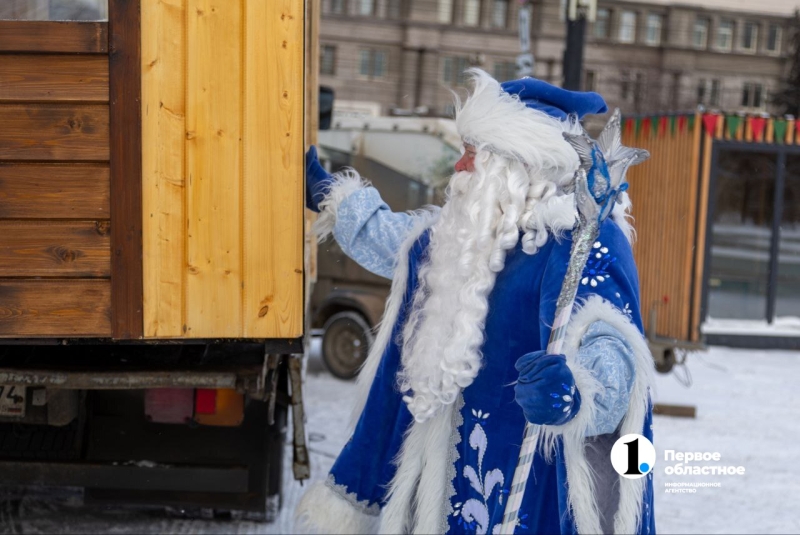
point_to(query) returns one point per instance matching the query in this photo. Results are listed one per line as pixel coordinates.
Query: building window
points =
(500, 13)
(700, 33)
(366, 7)
(505, 70)
(453, 70)
(752, 95)
(653, 35)
(602, 23)
(590, 81)
(394, 9)
(337, 7)
(701, 91)
(773, 38)
(749, 36)
(372, 63)
(445, 11)
(472, 12)
(625, 85)
(724, 35)
(713, 97)
(627, 27)
(327, 59)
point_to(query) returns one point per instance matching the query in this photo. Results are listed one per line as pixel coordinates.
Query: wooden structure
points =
(671, 199)
(151, 172)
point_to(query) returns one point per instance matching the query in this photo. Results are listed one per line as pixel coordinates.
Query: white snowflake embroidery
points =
(597, 265)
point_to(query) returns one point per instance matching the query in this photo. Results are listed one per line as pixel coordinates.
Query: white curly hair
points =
(523, 167)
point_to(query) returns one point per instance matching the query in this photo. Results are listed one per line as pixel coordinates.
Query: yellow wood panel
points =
(273, 169)
(214, 168)
(163, 132)
(662, 192)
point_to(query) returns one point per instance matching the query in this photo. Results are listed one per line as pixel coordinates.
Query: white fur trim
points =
(623, 218)
(344, 184)
(322, 510)
(421, 477)
(581, 483)
(424, 218)
(493, 119)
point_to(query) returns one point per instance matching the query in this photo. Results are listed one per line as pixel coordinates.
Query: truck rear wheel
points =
(346, 343)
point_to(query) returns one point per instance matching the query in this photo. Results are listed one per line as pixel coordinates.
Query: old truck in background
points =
(154, 259)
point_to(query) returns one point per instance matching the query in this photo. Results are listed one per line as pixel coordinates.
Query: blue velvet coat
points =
(521, 306)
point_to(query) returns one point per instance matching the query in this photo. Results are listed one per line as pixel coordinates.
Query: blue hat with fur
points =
(554, 101)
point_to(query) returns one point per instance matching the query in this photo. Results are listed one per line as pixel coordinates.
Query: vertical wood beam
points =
(273, 215)
(163, 138)
(702, 228)
(126, 168)
(214, 169)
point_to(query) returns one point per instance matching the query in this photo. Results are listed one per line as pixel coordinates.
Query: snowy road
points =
(747, 410)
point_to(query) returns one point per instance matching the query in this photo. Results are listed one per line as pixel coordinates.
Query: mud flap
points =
(300, 464)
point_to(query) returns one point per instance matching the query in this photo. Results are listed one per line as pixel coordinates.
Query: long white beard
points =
(445, 329)
(481, 220)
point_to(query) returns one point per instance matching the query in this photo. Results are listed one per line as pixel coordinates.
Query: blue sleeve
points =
(369, 232)
(610, 273)
(609, 357)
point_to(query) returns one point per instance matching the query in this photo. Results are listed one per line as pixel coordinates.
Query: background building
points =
(407, 55)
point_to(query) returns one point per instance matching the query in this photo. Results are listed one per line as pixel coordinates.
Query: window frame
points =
(702, 91)
(322, 49)
(778, 36)
(606, 21)
(589, 75)
(505, 65)
(706, 32)
(467, 8)
(455, 70)
(342, 7)
(373, 54)
(754, 38)
(623, 26)
(441, 5)
(659, 31)
(506, 11)
(731, 25)
(360, 8)
(715, 92)
(751, 90)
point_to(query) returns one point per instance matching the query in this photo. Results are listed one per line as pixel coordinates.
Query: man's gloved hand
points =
(546, 389)
(317, 180)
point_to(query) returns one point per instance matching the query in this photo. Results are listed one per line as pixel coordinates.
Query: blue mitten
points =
(317, 180)
(546, 389)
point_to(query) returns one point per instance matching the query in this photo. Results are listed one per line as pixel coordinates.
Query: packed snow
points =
(746, 402)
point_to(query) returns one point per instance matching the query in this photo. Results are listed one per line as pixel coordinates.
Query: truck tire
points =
(346, 343)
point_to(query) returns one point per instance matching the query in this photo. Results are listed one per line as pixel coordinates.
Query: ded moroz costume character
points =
(459, 363)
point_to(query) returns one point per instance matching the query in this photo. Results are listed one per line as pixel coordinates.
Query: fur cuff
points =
(579, 473)
(323, 509)
(344, 184)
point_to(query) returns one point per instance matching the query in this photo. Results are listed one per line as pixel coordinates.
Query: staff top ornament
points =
(600, 178)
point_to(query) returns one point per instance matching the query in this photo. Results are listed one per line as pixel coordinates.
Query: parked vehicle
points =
(348, 301)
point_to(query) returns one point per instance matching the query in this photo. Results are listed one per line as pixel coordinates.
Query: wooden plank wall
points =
(222, 107)
(55, 206)
(664, 195)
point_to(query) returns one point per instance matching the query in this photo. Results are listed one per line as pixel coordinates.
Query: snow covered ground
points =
(747, 408)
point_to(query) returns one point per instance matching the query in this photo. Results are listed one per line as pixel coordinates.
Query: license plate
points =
(12, 400)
